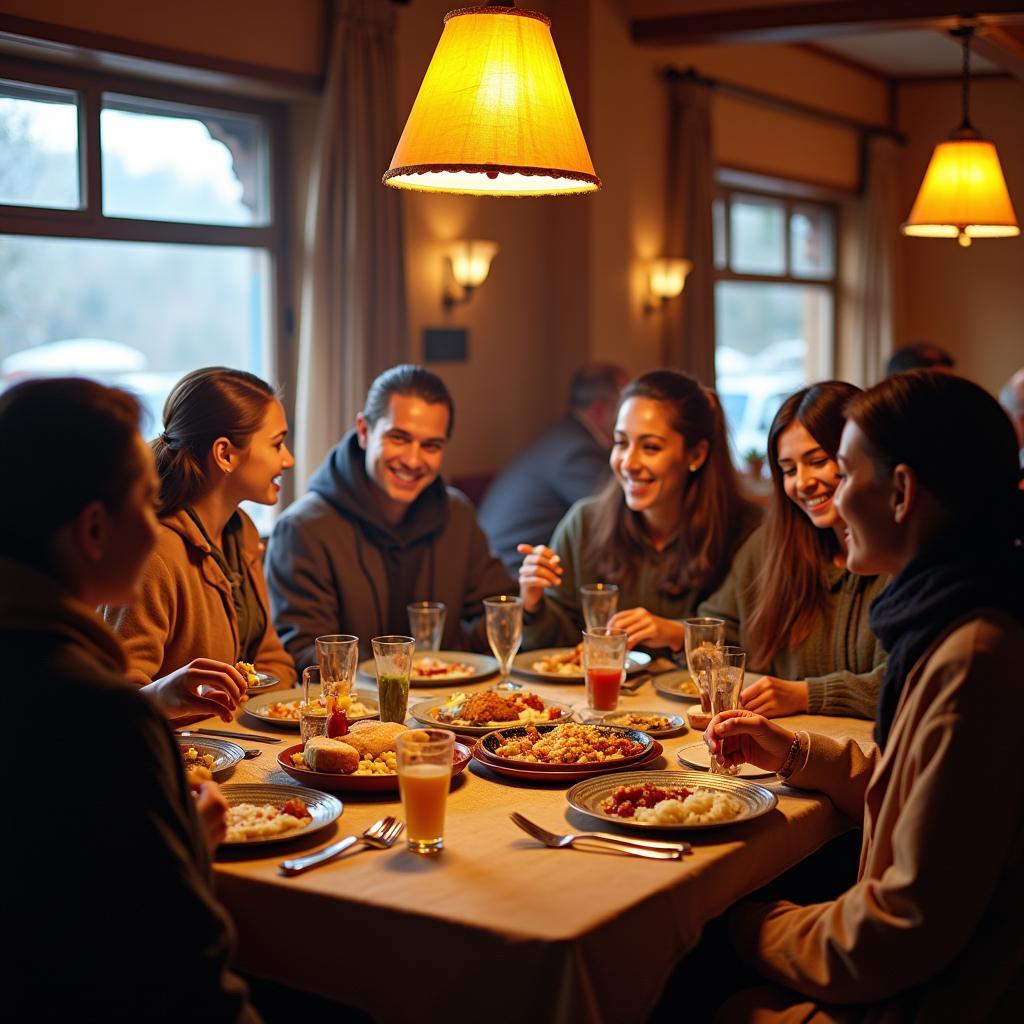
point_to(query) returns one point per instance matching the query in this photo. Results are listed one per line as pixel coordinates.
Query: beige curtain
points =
(353, 318)
(689, 342)
(879, 215)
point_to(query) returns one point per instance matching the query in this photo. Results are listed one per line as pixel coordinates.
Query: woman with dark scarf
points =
(929, 931)
(202, 604)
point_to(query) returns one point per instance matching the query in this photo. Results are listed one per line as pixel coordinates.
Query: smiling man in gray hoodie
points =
(379, 529)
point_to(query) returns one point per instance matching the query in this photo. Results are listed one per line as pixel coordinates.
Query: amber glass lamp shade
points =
(493, 115)
(963, 194)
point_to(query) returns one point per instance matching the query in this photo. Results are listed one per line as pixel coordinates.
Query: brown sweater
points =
(931, 929)
(185, 609)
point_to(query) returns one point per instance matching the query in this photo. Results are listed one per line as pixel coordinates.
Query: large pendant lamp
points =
(493, 115)
(963, 194)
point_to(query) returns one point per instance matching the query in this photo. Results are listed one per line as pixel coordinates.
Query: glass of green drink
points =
(393, 655)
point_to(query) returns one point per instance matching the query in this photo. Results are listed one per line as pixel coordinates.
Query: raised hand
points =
(741, 737)
(541, 568)
(178, 694)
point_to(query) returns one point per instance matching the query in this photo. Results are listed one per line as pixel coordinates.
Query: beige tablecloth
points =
(497, 925)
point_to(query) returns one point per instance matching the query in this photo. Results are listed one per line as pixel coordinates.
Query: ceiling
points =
(907, 54)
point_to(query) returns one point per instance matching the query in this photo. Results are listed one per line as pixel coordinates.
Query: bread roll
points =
(372, 738)
(323, 754)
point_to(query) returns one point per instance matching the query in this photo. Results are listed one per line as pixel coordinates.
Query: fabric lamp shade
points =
(963, 194)
(493, 115)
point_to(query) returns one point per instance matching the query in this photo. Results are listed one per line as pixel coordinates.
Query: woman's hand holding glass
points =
(774, 697)
(741, 737)
(541, 568)
(178, 694)
(648, 629)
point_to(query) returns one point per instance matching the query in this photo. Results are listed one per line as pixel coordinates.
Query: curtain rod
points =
(745, 92)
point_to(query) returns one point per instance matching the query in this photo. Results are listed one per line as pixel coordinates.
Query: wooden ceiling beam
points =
(805, 22)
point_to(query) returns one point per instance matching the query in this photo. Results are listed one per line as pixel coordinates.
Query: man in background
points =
(567, 462)
(919, 355)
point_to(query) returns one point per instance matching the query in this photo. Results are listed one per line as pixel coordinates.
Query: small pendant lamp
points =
(493, 116)
(963, 194)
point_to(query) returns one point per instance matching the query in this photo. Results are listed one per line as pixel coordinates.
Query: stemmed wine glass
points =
(504, 633)
(704, 639)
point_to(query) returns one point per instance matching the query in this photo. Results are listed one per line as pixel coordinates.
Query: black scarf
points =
(934, 590)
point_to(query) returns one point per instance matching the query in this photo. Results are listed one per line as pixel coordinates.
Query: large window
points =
(775, 270)
(140, 231)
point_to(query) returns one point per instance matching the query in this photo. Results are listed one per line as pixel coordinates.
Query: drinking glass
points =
(726, 683)
(424, 774)
(504, 631)
(426, 623)
(704, 639)
(600, 602)
(393, 655)
(338, 656)
(604, 657)
(313, 712)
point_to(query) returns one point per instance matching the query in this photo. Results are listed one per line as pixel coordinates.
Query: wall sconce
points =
(666, 279)
(469, 263)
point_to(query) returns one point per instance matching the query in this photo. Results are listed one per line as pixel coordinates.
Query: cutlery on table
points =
(630, 686)
(252, 753)
(250, 736)
(380, 835)
(653, 848)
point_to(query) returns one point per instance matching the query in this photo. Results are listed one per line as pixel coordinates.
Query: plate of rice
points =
(670, 801)
(260, 814)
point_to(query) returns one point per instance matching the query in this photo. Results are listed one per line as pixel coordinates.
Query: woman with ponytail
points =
(790, 599)
(664, 530)
(203, 604)
(930, 930)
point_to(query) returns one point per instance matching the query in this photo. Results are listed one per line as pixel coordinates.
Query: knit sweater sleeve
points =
(847, 694)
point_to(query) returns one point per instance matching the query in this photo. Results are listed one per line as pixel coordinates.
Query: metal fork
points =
(380, 835)
(652, 848)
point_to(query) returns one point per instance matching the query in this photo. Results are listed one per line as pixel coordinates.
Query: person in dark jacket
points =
(116, 918)
(379, 529)
(569, 461)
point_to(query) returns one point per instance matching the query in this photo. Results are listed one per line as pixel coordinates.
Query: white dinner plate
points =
(259, 707)
(483, 666)
(678, 685)
(425, 711)
(697, 755)
(523, 665)
(323, 808)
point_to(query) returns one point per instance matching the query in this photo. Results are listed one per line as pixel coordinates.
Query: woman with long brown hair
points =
(203, 603)
(929, 495)
(789, 598)
(664, 530)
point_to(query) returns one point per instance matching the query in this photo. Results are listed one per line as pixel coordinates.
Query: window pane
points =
(38, 146)
(771, 340)
(718, 233)
(163, 161)
(811, 241)
(114, 311)
(757, 235)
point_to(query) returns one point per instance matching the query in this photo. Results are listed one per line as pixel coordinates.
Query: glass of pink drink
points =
(604, 658)
(424, 775)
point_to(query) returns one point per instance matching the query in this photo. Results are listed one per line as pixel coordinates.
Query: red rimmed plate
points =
(495, 739)
(573, 773)
(338, 783)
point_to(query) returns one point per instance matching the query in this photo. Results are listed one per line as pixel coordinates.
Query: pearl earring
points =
(694, 468)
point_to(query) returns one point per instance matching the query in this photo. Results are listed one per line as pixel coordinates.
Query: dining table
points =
(498, 925)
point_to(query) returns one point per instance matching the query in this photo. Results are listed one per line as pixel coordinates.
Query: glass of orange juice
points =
(424, 775)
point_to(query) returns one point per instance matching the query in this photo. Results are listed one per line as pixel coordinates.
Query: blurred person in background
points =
(1011, 398)
(919, 355)
(790, 600)
(569, 461)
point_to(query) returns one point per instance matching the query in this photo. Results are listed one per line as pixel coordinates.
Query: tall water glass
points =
(599, 601)
(424, 758)
(338, 655)
(704, 638)
(726, 684)
(604, 658)
(504, 631)
(393, 655)
(313, 711)
(426, 623)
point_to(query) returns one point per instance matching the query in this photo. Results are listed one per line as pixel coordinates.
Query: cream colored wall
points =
(969, 301)
(271, 33)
